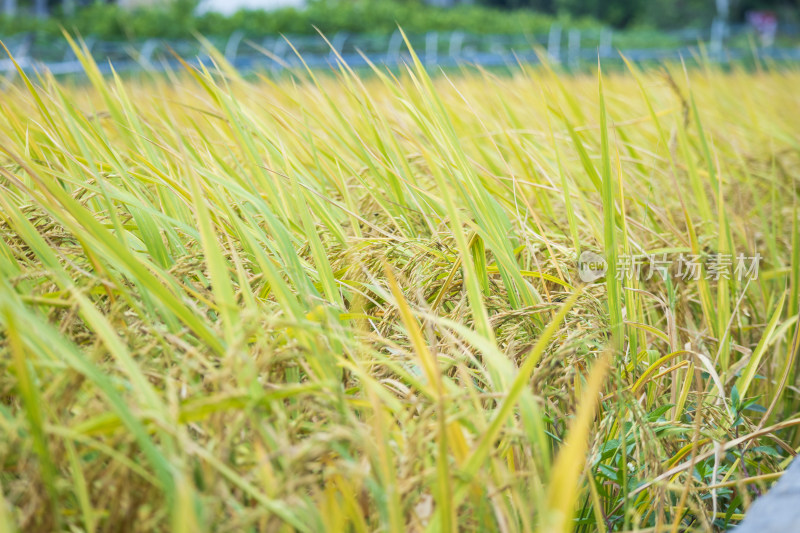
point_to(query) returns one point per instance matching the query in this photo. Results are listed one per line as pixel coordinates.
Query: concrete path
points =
(778, 511)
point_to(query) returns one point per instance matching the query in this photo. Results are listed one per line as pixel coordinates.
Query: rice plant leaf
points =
(749, 372)
(563, 490)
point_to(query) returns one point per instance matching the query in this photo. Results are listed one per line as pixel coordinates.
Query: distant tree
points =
(618, 13)
(656, 13)
(740, 7)
(614, 12)
(678, 13)
(543, 6)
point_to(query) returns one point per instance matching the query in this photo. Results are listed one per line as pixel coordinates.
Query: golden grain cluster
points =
(350, 301)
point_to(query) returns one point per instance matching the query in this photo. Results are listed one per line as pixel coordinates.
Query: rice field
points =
(352, 301)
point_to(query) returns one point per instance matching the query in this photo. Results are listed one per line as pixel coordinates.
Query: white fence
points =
(572, 48)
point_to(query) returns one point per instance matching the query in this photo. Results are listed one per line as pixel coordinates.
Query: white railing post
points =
(88, 43)
(146, 53)
(395, 42)
(69, 7)
(281, 47)
(232, 47)
(337, 44)
(21, 56)
(574, 48)
(717, 37)
(605, 43)
(456, 40)
(40, 8)
(9, 8)
(431, 48)
(496, 47)
(554, 43)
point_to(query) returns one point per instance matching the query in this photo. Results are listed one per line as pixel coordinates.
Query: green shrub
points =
(175, 20)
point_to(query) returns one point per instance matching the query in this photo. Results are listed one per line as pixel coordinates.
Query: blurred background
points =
(139, 32)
